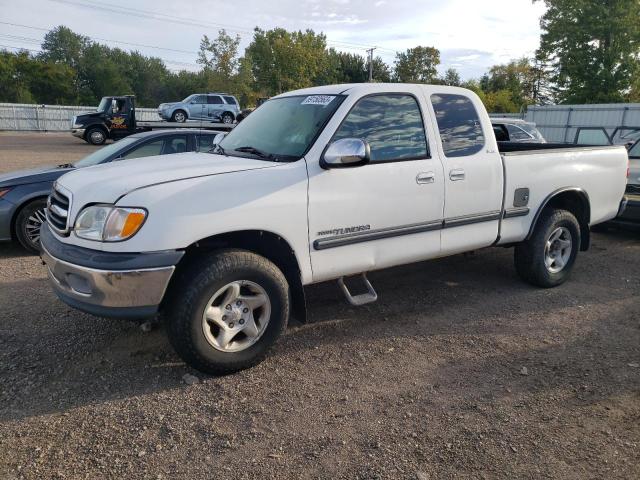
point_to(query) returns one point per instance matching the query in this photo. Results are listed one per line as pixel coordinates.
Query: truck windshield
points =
(282, 129)
(101, 155)
(104, 104)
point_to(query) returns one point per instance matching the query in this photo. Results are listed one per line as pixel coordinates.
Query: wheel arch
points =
(229, 112)
(574, 200)
(25, 201)
(267, 244)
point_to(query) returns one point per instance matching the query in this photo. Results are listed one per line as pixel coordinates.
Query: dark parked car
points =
(23, 194)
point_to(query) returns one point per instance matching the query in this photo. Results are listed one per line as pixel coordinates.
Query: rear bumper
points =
(631, 212)
(107, 284)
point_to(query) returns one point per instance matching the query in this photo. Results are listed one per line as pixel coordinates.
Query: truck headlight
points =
(108, 223)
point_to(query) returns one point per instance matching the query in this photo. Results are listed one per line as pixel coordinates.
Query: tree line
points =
(589, 53)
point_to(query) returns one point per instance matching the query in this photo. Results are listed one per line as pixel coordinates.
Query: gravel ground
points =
(458, 371)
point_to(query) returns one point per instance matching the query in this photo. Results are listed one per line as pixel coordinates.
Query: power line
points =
(186, 21)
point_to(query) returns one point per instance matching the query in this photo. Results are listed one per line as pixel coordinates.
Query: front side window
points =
(204, 142)
(390, 123)
(214, 100)
(199, 99)
(459, 125)
(162, 146)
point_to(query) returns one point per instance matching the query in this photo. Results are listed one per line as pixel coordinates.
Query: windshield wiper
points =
(255, 151)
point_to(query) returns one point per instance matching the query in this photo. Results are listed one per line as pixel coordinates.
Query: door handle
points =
(426, 177)
(456, 175)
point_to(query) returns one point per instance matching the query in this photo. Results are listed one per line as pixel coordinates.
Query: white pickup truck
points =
(316, 185)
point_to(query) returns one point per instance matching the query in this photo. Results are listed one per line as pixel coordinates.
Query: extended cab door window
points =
(459, 125)
(592, 136)
(473, 173)
(391, 124)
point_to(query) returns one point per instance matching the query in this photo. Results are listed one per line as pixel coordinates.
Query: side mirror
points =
(218, 138)
(346, 152)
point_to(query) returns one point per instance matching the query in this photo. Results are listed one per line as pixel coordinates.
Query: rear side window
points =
(517, 133)
(592, 136)
(390, 123)
(214, 99)
(459, 125)
(230, 100)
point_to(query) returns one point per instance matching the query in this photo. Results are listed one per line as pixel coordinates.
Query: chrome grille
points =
(58, 206)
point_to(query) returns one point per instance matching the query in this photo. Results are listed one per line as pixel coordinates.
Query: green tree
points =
(220, 55)
(417, 65)
(283, 60)
(451, 78)
(381, 71)
(61, 45)
(592, 47)
(518, 77)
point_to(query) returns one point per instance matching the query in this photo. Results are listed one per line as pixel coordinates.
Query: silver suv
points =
(220, 107)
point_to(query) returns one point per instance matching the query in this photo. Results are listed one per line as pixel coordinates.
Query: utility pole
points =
(370, 52)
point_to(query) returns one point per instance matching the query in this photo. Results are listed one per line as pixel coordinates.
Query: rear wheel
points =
(227, 310)
(28, 224)
(96, 136)
(179, 116)
(227, 118)
(547, 258)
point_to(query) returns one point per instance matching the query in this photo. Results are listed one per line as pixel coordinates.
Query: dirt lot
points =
(459, 371)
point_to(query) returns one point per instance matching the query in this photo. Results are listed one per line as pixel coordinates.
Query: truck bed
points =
(508, 147)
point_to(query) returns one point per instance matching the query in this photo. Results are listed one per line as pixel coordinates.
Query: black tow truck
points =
(115, 118)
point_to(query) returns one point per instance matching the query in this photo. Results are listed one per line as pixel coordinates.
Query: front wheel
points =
(227, 310)
(547, 258)
(179, 116)
(96, 136)
(28, 224)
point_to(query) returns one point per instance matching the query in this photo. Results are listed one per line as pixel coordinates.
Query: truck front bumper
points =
(78, 132)
(115, 285)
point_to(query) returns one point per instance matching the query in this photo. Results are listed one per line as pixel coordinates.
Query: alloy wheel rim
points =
(226, 119)
(236, 316)
(179, 117)
(557, 250)
(97, 137)
(33, 225)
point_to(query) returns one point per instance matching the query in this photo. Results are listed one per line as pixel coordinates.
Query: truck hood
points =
(34, 175)
(108, 182)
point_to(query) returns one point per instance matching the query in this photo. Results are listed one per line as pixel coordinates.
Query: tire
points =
(227, 118)
(28, 222)
(96, 136)
(195, 291)
(179, 116)
(550, 265)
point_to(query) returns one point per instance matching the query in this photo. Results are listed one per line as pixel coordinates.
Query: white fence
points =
(28, 117)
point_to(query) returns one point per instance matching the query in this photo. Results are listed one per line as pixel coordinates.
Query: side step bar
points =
(363, 298)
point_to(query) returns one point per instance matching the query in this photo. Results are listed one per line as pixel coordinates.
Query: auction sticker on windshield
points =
(318, 100)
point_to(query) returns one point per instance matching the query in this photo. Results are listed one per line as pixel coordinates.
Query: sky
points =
(471, 35)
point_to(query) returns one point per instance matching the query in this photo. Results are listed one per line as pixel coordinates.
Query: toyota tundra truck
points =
(316, 185)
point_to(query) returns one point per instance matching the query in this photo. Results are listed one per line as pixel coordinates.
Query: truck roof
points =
(366, 88)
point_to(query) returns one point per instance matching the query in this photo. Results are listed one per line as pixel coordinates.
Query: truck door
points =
(472, 170)
(120, 117)
(384, 213)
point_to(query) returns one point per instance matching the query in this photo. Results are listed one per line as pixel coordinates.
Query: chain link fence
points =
(51, 118)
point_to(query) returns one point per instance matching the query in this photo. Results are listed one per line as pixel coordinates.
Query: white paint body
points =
(192, 196)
